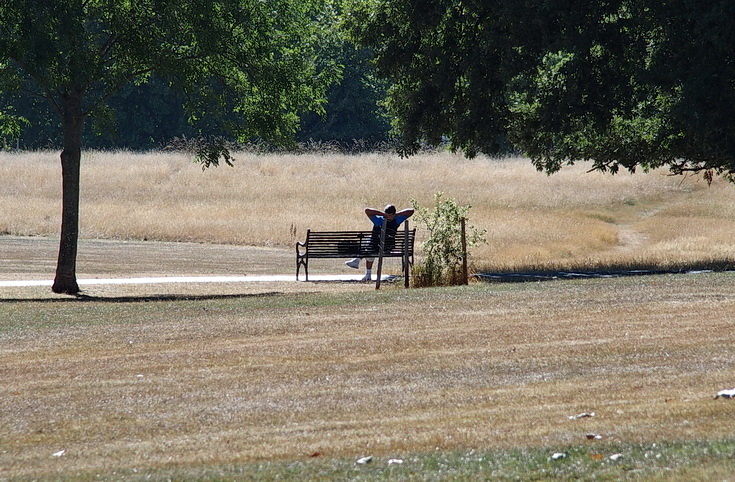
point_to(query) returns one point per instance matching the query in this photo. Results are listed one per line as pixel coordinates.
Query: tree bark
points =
(73, 125)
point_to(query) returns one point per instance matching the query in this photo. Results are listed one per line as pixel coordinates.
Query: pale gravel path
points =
(29, 262)
(188, 279)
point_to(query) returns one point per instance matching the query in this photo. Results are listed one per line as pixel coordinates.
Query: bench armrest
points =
(300, 244)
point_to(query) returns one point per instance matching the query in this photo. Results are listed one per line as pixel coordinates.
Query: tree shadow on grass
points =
(140, 299)
(390, 278)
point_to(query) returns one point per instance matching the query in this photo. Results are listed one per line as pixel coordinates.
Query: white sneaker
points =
(353, 263)
(366, 278)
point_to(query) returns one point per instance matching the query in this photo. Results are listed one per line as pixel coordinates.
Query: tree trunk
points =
(73, 124)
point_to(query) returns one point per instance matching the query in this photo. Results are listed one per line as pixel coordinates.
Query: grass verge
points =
(693, 460)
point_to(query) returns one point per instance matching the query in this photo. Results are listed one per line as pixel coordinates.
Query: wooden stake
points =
(464, 255)
(406, 267)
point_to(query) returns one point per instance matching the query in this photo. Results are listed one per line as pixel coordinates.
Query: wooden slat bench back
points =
(350, 244)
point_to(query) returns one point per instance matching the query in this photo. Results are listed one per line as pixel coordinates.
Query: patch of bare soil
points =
(630, 239)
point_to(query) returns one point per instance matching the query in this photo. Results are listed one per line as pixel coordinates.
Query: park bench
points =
(353, 244)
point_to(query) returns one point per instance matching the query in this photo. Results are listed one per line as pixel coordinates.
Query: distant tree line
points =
(152, 115)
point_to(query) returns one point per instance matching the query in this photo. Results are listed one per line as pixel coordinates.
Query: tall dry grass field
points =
(573, 218)
(278, 380)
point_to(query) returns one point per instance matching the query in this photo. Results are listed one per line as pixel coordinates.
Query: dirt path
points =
(35, 258)
(280, 278)
(630, 239)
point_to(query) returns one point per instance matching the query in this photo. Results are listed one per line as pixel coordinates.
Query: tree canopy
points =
(623, 83)
(354, 109)
(245, 66)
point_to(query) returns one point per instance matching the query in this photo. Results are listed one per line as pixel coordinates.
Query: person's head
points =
(389, 209)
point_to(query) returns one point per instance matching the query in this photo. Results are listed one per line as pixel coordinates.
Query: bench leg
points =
(299, 263)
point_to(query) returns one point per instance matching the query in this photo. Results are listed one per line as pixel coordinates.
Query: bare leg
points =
(368, 269)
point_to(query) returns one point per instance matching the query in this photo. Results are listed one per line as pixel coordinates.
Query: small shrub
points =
(443, 253)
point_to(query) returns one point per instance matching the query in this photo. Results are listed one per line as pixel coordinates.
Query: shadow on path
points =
(559, 275)
(138, 299)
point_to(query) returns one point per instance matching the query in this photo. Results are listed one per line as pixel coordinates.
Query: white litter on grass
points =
(581, 415)
(59, 453)
(395, 461)
(615, 457)
(365, 460)
(187, 279)
(730, 393)
(558, 456)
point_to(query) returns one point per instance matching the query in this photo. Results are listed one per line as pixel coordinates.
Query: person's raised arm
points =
(370, 212)
(408, 212)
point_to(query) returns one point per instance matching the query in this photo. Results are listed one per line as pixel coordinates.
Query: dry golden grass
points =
(269, 373)
(138, 381)
(570, 218)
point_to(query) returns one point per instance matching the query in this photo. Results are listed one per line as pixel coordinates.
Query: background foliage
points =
(627, 84)
(152, 112)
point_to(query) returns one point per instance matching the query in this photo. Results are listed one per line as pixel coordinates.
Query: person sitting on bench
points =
(393, 219)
